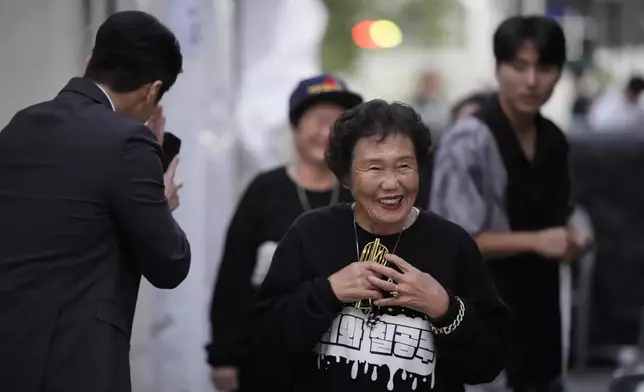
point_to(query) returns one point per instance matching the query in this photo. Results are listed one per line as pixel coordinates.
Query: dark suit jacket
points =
(82, 216)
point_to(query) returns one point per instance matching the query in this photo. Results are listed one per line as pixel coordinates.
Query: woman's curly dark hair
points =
(374, 118)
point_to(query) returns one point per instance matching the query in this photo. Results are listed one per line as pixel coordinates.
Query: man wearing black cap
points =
(270, 204)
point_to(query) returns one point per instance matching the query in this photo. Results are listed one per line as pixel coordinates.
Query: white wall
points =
(171, 327)
(41, 42)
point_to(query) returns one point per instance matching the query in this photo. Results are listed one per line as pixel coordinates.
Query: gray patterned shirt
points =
(469, 179)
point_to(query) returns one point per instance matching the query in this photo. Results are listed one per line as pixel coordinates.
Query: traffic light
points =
(376, 34)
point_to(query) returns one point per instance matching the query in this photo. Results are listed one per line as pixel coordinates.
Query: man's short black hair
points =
(635, 85)
(544, 32)
(374, 118)
(134, 48)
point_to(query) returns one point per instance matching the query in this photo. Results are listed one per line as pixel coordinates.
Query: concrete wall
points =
(42, 47)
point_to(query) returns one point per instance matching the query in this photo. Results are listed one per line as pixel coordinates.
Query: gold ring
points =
(395, 293)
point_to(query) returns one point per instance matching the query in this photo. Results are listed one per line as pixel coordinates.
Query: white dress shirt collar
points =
(107, 95)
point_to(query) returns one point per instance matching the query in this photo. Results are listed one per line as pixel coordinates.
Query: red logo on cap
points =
(330, 82)
(328, 85)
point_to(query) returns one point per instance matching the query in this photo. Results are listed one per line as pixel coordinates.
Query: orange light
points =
(376, 34)
(361, 34)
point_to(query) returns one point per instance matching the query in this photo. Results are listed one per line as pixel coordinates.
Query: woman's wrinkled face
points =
(384, 180)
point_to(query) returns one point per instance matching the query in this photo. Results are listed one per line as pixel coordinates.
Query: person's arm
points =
(458, 180)
(293, 309)
(501, 244)
(454, 194)
(555, 241)
(148, 230)
(476, 350)
(231, 298)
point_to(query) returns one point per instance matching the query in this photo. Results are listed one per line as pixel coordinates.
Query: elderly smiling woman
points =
(377, 295)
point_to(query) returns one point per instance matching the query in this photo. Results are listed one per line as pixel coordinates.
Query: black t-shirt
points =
(297, 316)
(266, 210)
(537, 197)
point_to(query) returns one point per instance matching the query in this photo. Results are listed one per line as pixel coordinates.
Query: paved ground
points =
(595, 380)
(590, 381)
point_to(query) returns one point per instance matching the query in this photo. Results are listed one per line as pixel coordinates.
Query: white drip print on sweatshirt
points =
(401, 343)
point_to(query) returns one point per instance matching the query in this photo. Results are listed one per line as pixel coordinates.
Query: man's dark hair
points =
(546, 34)
(635, 85)
(134, 48)
(374, 118)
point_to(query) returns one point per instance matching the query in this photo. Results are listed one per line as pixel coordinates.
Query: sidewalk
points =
(588, 381)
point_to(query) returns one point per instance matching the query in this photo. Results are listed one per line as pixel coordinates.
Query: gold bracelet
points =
(457, 321)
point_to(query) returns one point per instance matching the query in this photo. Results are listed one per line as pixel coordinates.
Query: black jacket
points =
(331, 347)
(83, 217)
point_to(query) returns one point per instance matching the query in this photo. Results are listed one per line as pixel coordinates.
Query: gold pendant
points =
(373, 251)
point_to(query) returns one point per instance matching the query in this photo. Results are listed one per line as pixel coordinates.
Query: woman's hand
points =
(352, 283)
(415, 289)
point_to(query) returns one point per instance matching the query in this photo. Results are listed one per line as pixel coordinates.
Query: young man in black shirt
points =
(502, 174)
(270, 204)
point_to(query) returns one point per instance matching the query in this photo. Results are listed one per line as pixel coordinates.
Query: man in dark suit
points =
(84, 213)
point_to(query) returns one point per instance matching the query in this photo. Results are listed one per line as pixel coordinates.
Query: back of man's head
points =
(132, 49)
(635, 86)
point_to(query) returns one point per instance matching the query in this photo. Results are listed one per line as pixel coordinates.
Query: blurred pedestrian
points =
(502, 174)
